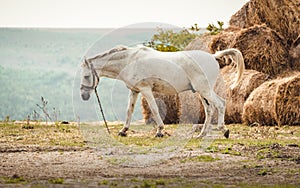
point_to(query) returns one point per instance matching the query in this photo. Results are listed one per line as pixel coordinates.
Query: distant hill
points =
(45, 62)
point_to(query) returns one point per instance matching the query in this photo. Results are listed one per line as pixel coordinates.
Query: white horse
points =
(145, 71)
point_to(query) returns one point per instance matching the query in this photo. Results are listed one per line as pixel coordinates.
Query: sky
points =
(114, 13)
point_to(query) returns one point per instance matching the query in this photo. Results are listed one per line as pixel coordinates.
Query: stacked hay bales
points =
(168, 106)
(263, 49)
(267, 34)
(275, 102)
(235, 98)
(281, 15)
(192, 110)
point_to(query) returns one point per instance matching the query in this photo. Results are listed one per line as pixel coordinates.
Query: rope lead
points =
(101, 110)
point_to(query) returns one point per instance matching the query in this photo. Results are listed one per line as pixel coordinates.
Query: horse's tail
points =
(238, 61)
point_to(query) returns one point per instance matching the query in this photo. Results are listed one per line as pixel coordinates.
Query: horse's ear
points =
(86, 61)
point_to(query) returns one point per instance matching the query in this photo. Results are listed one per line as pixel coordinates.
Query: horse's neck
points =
(110, 68)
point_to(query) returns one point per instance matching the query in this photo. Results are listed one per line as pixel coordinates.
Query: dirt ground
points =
(239, 165)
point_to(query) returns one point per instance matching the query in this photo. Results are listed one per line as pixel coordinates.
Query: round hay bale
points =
(263, 49)
(168, 106)
(275, 102)
(223, 41)
(282, 16)
(295, 54)
(235, 98)
(200, 43)
(191, 108)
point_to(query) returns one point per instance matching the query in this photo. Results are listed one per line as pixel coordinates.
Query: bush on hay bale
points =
(168, 106)
(235, 98)
(275, 102)
(283, 16)
(263, 49)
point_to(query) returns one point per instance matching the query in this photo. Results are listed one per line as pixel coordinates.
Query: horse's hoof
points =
(123, 134)
(226, 134)
(201, 135)
(159, 135)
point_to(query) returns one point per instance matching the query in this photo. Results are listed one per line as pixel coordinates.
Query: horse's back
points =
(195, 69)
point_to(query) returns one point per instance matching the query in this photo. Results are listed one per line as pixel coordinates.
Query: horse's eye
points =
(86, 77)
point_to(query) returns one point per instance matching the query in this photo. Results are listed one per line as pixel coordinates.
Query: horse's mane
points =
(111, 51)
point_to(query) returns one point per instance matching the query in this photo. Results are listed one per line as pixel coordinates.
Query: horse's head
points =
(89, 80)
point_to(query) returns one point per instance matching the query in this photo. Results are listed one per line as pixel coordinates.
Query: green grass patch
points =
(230, 151)
(200, 158)
(56, 181)
(103, 182)
(15, 179)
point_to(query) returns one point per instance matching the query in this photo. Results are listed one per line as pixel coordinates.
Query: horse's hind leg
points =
(131, 103)
(215, 101)
(208, 114)
(154, 109)
(221, 106)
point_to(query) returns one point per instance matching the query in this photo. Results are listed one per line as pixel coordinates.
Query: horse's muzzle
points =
(85, 96)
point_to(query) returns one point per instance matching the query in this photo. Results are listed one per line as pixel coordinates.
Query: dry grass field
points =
(64, 156)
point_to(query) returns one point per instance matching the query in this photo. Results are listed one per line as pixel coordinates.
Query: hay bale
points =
(282, 16)
(200, 43)
(183, 108)
(235, 98)
(191, 108)
(263, 49)
(295, 54)
(275, 102)
(223, 41)
(168, 106)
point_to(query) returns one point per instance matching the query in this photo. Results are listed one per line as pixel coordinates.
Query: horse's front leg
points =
(131, 103)
(154, 109)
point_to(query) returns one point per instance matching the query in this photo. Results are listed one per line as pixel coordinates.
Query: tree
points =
(170, 41)
(213, 29)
